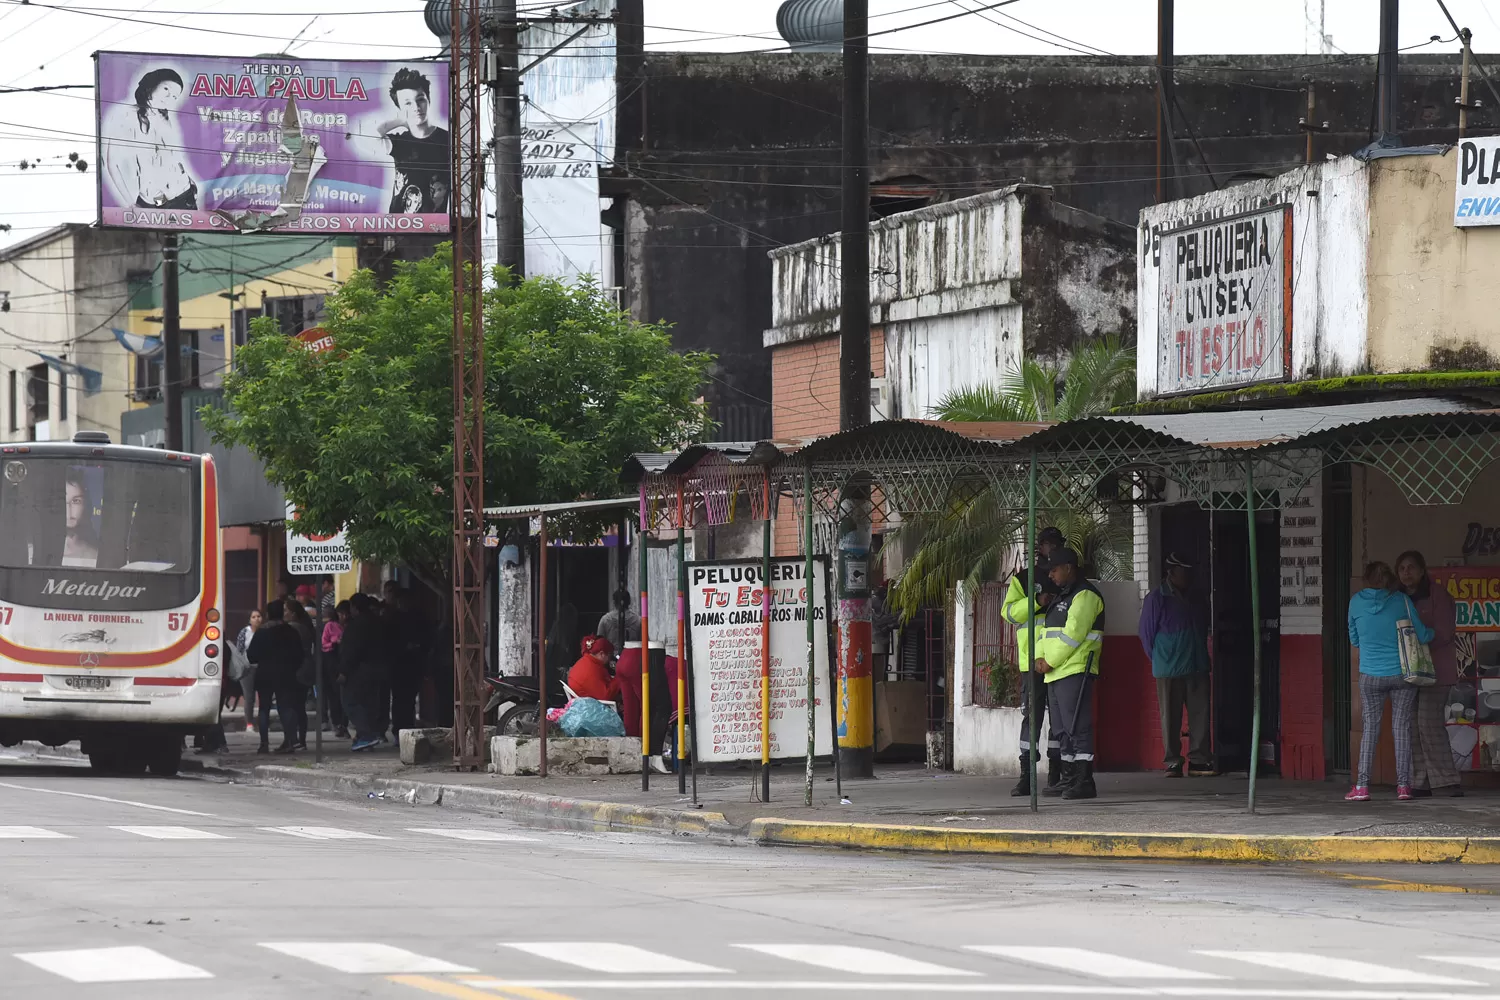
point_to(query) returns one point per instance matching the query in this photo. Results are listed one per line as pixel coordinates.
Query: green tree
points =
(362, 435)
(970, 543)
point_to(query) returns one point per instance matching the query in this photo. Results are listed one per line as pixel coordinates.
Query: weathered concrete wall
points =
(1330, 225)
(1434, 288)
(726, 156)
(513, 614)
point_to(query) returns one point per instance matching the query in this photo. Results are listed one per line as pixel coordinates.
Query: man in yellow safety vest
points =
(1068, 653)
(1025, 613)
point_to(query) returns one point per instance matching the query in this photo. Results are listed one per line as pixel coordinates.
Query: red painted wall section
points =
(1126, 719)
(1302, 710)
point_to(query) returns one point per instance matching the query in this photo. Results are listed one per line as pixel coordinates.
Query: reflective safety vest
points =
(1072, 635)
(1021, 611)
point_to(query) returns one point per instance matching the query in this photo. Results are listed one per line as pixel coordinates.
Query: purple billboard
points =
(277, 145)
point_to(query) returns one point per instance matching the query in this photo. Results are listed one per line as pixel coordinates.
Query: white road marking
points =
(1477, 961)
(1093, 963)
(105, 798)
(492, 836)
(113, 965)
(322, 833)
(847, 958)
(911, 988)
(1347, 969)
(30, 833)
(365, 958)
(170, 832)
(606, 956)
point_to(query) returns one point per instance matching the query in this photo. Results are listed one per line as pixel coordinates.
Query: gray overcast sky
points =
(50, 42)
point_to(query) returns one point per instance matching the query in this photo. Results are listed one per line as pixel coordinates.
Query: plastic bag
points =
(591, 717)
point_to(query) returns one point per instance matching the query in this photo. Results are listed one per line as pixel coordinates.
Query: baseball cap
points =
(1062, 557)
(1053, 535)
(1179, 560)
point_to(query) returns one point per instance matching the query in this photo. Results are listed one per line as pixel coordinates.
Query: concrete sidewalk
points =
(910, 808)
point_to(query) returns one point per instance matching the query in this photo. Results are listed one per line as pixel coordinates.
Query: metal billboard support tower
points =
(468, 386)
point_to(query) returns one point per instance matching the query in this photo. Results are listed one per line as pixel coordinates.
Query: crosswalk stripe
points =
(1094, 963)
(1488, 962)
(112, 965)
(847, 958)
(493, 836)
(607, 956)
(363, 957)
(170, 832)
(1347, 969)
(322, 833)
(30, 833)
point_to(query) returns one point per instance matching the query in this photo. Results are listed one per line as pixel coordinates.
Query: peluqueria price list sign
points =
(725, 601)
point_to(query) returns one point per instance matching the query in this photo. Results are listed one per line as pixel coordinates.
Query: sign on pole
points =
(1224, 308)
(314, 555)
(724, 614)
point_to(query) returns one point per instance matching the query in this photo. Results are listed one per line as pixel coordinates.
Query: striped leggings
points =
(1373, 692)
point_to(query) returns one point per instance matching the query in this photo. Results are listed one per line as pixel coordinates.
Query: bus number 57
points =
(5, 614)
(177, 621)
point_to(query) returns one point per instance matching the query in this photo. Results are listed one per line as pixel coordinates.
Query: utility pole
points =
(1388, 82)
(855, 696)
(505, 94)
(171, 343)
(1166, 148)
(1308, 124)
(1463, 88)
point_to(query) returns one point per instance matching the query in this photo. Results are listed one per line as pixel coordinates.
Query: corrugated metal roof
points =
(677, 462)
(1259, 428)
(576, 506)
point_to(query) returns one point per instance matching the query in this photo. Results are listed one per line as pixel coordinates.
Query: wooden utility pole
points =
(1463, 87)
(1389, 67)
(1166, 149)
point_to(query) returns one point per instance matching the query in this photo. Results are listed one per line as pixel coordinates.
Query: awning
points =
(570, 507)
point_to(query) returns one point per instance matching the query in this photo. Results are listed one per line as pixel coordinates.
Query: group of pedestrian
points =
(1390, 603)
(374, 658)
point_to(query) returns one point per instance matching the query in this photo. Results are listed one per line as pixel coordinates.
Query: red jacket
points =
(590, 679)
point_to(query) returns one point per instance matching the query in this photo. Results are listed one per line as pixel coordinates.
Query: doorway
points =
(1233, 639)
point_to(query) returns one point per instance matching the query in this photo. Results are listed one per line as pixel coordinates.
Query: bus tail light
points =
(211, 651)
(212, 615)
(211, 633)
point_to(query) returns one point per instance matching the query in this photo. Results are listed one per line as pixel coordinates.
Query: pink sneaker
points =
(1359, 793)
(1403, 792)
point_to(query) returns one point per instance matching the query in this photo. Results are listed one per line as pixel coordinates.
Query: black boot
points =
(1054, 770)
(1065, 783)
(1082, 786)
(1023, 787)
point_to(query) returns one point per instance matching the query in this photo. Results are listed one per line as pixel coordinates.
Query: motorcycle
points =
(515, 699)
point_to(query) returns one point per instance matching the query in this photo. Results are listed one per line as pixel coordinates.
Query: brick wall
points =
(805, 404)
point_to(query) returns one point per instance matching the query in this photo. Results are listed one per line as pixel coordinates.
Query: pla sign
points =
(1476, 200)
(314, 555)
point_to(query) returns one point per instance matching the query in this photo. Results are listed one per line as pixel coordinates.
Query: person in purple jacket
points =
(1175, 637)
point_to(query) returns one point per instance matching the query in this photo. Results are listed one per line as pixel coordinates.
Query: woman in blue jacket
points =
(1373, 614)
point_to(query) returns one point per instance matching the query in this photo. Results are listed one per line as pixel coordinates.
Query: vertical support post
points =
(510, 233)
(1312, 100)
(681, 643)
(765, 643)
(1463, 87)
(171, 342)
(812, 652)
(1250, 506)
(645, 589)
(1036, 722)
(541, 644)
(318, 685)
(1389, 66)
(1166, 151)
(465, 207)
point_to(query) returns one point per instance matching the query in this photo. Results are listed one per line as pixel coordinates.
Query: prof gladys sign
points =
(1476, 201)
(195, 142)
(1225, 302)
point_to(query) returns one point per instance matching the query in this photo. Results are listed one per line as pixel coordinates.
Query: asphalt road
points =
(186, 888)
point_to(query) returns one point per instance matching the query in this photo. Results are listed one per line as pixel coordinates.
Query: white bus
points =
(111, 581)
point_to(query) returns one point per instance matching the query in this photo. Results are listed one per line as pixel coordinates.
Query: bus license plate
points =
(87, 683)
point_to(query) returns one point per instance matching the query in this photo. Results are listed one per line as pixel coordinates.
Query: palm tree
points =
(971, 542)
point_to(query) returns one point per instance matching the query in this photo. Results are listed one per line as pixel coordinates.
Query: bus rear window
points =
(121, 515)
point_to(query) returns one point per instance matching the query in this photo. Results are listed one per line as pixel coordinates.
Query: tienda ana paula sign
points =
(1224, 309)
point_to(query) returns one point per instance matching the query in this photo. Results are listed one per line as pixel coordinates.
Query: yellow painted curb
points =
(1150, 846)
